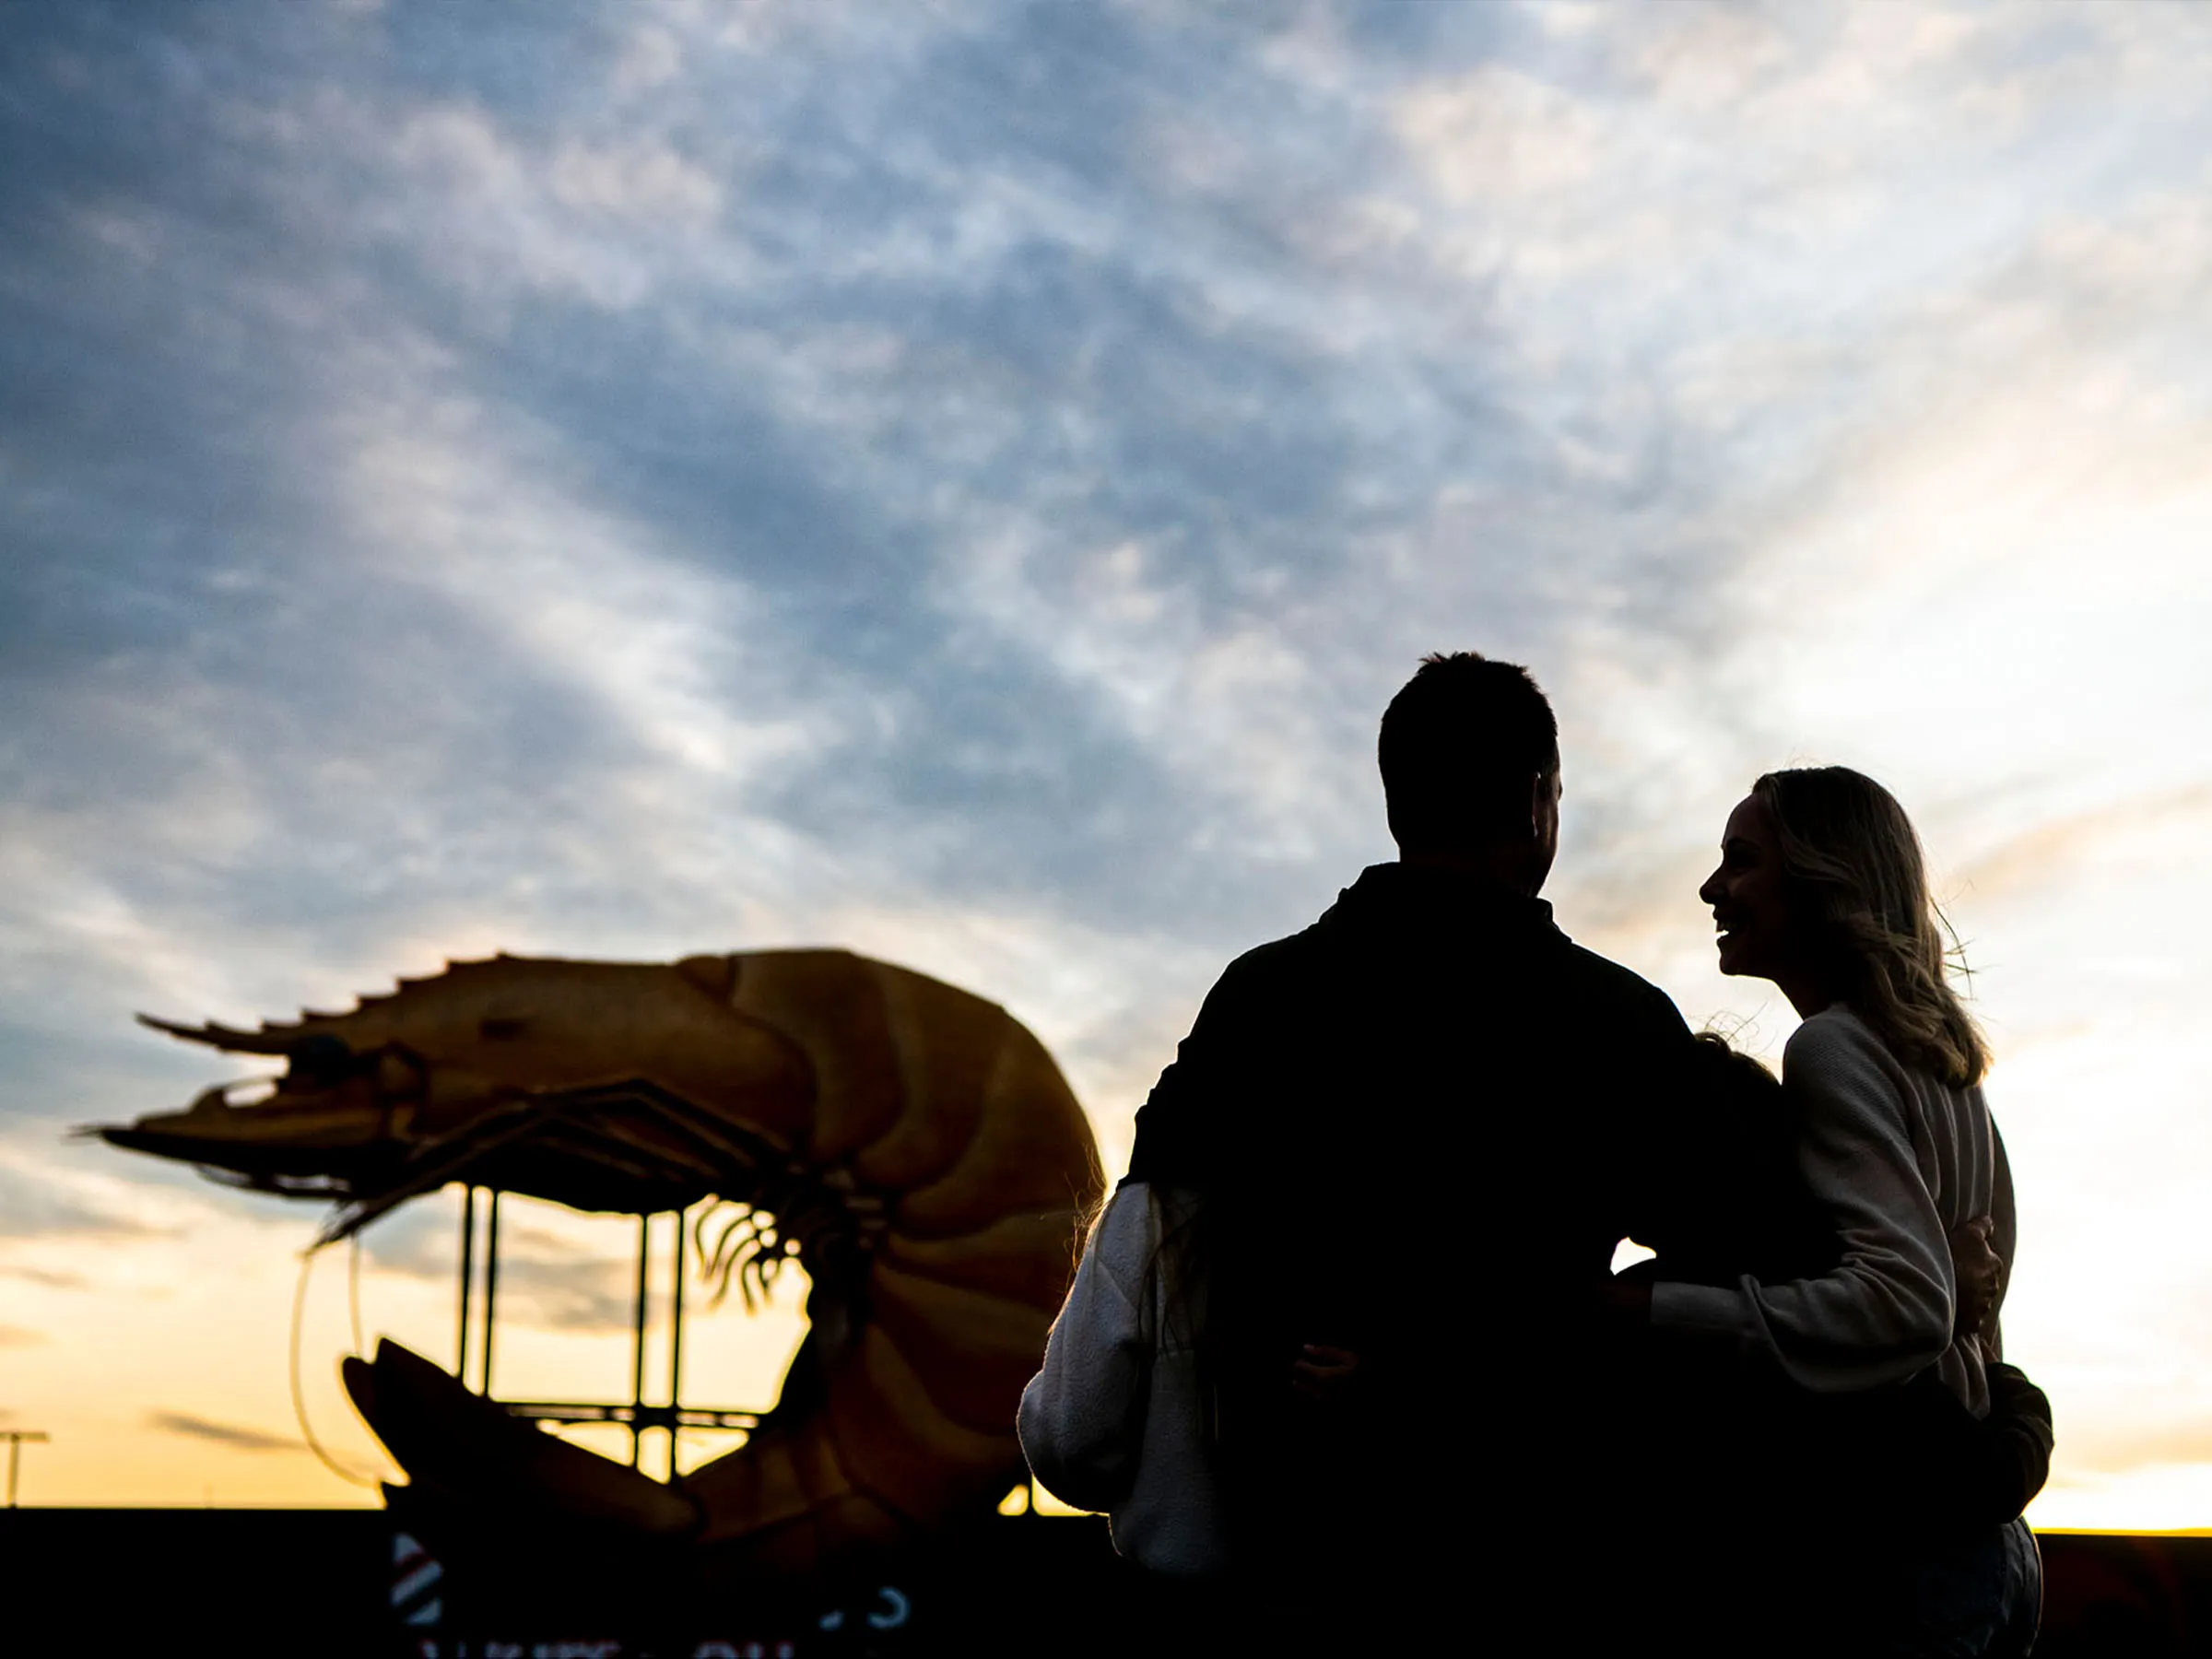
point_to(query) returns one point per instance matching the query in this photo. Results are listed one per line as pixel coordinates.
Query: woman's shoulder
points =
(1135, 1217)
(1835, 1050)
(1836, 1031)
(1128, 1213)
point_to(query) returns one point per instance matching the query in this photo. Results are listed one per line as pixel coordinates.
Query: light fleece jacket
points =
(1895, 1159)
(1115, 1420)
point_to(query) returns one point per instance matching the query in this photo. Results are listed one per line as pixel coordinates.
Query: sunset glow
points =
(962, 484)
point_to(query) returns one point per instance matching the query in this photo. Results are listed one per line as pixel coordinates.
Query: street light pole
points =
(15, 1439)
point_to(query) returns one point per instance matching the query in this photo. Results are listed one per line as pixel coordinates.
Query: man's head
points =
(1470, 757)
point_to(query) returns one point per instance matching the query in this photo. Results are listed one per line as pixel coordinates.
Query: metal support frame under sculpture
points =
(913, 1146)
(636, 1414)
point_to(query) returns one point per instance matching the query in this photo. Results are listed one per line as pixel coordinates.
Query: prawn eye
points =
(319, 1059)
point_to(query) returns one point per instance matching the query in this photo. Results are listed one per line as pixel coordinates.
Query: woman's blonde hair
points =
(1854, 871)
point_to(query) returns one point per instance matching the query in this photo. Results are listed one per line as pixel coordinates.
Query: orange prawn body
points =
(913, 1146)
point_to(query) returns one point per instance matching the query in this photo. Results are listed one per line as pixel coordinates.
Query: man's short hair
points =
(1461, 745)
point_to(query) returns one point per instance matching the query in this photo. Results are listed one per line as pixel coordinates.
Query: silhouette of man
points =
(1420, 1128)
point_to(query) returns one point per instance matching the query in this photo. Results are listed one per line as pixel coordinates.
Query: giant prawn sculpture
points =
(912, 1145)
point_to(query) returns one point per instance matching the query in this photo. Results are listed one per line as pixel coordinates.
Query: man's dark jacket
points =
(1421, 1126)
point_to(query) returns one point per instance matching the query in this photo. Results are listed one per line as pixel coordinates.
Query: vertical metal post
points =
(468, 1287)
(675, 1342)
(491, 1285)
(637, 1358)
(15, 1437)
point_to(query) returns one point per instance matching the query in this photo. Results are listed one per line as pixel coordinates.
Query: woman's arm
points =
(2003, 1238)
(1883, 1312)
(1082, 1417)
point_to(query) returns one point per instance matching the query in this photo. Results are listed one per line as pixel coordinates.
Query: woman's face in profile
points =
(1749, 907)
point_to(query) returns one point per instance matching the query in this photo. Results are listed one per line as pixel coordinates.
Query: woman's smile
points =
(1750, 912)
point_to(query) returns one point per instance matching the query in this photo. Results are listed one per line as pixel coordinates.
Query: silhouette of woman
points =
(1821, 889)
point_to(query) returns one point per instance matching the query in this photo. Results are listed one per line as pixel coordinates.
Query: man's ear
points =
(1539, 799)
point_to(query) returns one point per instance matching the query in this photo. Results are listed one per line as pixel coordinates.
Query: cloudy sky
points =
(961, 481)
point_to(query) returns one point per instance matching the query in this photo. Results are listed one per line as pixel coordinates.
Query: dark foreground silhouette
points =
(345, 1583)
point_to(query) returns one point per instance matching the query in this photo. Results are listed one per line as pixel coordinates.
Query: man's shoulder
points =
(1549, 963)
(1266, 972)
(1292, 953)
(1614, 990)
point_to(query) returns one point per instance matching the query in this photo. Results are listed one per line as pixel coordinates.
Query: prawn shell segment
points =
(1030, 1152)
(1026, 1257)
(971, 1352)
(944, 1109)
(902, 1449)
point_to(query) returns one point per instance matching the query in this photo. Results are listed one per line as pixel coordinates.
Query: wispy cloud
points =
(2047, 852)
(562, 1293)
(31, 1207)
(546, 1280)
(230, 1435)
(46, 1277)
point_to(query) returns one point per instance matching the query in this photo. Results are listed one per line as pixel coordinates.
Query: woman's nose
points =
(1710, 892)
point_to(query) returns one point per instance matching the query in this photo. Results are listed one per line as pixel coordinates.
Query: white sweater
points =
(1116, 1421)
(1896, 1160)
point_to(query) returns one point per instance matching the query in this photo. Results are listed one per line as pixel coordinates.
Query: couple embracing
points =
(1346, 1359)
